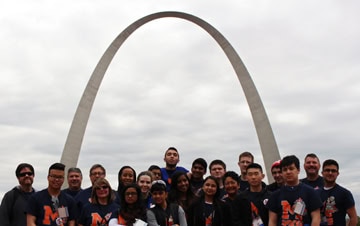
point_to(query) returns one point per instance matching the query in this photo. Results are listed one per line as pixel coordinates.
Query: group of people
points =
(173, 195)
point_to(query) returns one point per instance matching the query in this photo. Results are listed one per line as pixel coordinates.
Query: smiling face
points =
(231, 186)
(26, 177)
(312, 166)
(182, 183)
(74, 180)
(277, 175)
(330, 174)
(55, 179)
(210, 187)
(102, 191)
(198, 171)
(144, 183)
(127, 176)
(159, 197)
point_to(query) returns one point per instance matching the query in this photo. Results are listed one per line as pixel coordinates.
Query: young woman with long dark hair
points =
(180, 191)
(209, 209)
(131, 210)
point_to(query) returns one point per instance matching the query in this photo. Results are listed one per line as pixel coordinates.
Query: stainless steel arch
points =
(266, 137)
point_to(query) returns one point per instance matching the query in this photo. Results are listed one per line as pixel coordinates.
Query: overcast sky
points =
(170, 84)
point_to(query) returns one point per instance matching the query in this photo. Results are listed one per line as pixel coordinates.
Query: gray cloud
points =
(171, 85)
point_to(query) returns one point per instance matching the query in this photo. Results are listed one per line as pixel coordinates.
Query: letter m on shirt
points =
(96, 219)
(288, 214)
(49, 216)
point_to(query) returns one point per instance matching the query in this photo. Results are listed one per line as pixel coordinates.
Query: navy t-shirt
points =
(284, 201)
(316, 184)
(335, 203)
(96, 214)
(43, 208)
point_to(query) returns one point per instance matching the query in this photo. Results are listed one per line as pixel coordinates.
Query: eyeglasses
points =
(26, 174)
(97, 173)
(102, 187)
(330, 170)
(56, 177)
(158, 182)
(130, 194)
(55, 203)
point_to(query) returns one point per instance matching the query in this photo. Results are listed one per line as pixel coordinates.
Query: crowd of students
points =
(173, 195)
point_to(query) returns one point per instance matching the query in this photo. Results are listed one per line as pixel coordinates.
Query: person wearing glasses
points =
(164, 213)
(83, 197)
(52, 206)
(99, 210)
(132, 210)
(14, 201)
(337, 200)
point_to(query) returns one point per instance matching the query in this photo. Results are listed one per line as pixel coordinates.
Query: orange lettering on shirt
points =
(329, 216)
(96, 219)
(49, 216)
(254, 209)
(291, 223)
(208, 221)
(121, 220)
(287, 210)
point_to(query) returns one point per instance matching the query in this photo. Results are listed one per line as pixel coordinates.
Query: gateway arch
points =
(264, 132)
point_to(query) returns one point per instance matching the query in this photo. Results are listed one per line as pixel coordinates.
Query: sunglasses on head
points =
(158, 182)
(26, 174)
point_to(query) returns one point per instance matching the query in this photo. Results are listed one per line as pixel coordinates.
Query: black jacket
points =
(221, 213)
(259, 201)
(241, 211)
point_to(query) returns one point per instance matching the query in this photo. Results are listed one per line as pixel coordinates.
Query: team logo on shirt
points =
(50, 216)
(293, 214)
(329, 208)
